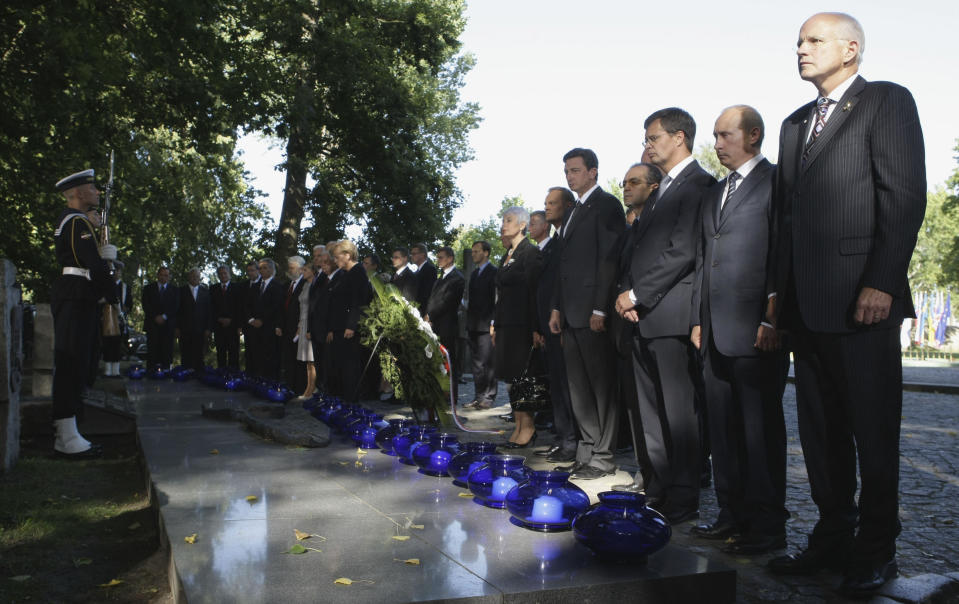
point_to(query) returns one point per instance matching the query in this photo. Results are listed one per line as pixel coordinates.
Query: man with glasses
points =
(851, 195)
(656, 294)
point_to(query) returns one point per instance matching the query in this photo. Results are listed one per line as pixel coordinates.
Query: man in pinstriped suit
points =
(850, 195)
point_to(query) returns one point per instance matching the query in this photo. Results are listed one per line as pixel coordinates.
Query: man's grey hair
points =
(298, 260)
(850, 29)
(319, 246)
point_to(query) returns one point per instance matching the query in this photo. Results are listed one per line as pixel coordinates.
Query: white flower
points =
(429, 351)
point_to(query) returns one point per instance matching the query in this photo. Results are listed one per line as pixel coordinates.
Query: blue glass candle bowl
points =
(470, 457)
(621, 528)
(404, 442)
(384, 437)
(369, 420)
(434, 456)
(547, 502)
(491, 482)
(136, 372)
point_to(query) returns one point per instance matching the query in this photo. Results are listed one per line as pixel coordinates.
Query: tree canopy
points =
(364, 93)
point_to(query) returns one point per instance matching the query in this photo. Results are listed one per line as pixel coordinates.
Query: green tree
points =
(706, 157)
(153, 81)
(933, 261)
(365, 95)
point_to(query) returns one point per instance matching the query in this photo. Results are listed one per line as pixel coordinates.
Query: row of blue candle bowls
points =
(619, 527)
(227, 379)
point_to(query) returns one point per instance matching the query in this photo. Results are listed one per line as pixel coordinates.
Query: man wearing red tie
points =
(850, 197)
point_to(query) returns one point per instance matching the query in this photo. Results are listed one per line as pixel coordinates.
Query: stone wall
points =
(11, 359)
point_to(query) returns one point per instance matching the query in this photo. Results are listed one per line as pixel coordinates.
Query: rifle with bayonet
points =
(110, 322)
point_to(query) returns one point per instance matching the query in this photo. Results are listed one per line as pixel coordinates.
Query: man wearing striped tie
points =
(850, 196)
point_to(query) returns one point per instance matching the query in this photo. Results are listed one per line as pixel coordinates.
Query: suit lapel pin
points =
(847, 106)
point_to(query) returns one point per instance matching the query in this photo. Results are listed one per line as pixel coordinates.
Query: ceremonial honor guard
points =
(84, 279)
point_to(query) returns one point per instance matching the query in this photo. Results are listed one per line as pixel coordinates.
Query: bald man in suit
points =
(850, 198)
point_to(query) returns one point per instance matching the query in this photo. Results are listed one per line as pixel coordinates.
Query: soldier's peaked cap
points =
(75, 180)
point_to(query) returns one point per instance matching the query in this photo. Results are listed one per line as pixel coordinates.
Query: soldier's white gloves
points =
(108, 252)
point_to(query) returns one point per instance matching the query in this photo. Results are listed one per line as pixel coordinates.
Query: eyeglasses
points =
(655, 137)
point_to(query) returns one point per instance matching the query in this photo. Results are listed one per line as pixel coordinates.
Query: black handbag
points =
(529, 392)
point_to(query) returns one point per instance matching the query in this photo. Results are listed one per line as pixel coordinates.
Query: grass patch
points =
(68, 527)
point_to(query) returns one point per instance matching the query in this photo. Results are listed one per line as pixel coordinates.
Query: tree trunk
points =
(294, 196)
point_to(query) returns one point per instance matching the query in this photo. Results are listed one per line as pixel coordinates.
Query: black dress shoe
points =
(679, 515)
(627, 488)
(812, 560)
(590, 473)
(562, 457)
(716, 530)
(548, 452)
(863, 579)
(570, 468)
(754, 545)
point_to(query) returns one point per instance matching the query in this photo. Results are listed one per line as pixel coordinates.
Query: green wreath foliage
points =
(409, 351)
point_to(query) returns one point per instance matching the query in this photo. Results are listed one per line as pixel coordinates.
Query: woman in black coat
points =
(514, 319)
(350, 293)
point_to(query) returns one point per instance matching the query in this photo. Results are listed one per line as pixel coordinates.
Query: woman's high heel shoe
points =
(512, 445)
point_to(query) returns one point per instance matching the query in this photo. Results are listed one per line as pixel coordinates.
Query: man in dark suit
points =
(319, 312)
(481, 302)
(250, 292)
(443, 306)
(639, 184)
(850, 195)
(160, 300)
(579, 309)
(425, 274)
(226, 299)
(266, 319)
(745, 367)
(656, 295)
(194, 321)
(294, 371)
(557, 203)
(404, 276)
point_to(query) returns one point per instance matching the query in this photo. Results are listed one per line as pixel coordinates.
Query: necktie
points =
(262, 287)
(731, 183)
(577, 206)
(224, 288)
(822, 109)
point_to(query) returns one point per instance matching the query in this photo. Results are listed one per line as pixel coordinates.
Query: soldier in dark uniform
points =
(84, 279)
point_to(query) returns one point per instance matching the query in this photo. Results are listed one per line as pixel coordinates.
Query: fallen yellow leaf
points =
(345, 581)
(342, 463)
(466, 495)
(411, 561)
(300, 535)
(214, 451)
(401, 537)
(191, 538)
(361, 452)
(417, 526)
(112, 583)
(251, 498)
